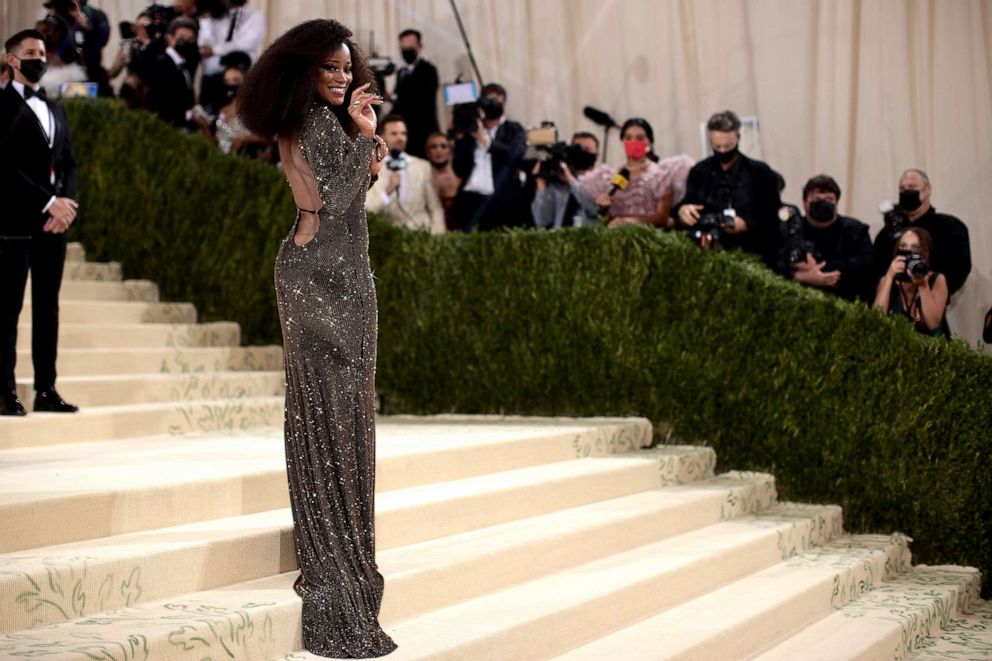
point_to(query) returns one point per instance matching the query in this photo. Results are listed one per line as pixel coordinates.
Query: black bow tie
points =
(40, 93)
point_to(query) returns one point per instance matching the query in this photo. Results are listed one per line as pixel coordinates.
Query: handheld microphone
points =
(620, 181)
(599, 117)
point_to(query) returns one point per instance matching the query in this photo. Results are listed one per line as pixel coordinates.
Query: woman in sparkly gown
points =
(312, 89)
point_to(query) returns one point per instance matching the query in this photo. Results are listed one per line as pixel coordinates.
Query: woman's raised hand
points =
(360, 109)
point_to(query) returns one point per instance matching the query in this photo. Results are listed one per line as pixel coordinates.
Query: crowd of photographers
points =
(487, 171)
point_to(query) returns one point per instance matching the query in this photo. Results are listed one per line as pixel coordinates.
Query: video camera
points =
(544, 146)
(159, 16)
(796, 245)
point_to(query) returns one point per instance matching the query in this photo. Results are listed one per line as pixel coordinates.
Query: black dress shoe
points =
(10, 405)
(49, 401)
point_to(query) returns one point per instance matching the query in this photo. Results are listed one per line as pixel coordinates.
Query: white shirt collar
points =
(176, 57)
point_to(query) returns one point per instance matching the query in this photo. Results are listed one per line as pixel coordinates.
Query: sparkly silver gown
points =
(327, 308)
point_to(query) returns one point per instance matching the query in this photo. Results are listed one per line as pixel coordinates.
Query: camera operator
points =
(405, 190)
(909, 288)
(559, 201)
(951, 253)
(488, 151)
(141, 43)
(730, 184)
(64, 59)
(824, 249)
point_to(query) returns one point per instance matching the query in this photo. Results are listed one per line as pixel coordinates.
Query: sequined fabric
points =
(327, 308)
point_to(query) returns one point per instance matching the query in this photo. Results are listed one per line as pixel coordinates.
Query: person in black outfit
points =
(951, 246)
(839, 253)
(487, 160)
(728, 181)
(38, 169)
(415, 95)
(170, 83)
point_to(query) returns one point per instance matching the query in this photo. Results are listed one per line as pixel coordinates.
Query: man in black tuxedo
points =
(415, 95)
(487, 158)
(38, 170)
(170, 82)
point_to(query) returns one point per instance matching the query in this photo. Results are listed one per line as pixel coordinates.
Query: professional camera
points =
(544, 147)
(466, 116)
(382, 66)
(707, 230)
(893, 217)
(916, 266)
(159, 16)
(796, 245)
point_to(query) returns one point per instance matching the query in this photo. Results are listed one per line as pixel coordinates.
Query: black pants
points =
(44, 255)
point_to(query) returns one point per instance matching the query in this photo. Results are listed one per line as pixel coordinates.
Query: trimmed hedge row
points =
(842, 404)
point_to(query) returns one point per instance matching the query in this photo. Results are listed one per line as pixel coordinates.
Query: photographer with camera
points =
(951, 254)
(488, 151)
(738, 194)
(911, 289)
(643, 190)
(824, 249)
(559, 200)
(405, 190)
(228, 27)
(142, 41)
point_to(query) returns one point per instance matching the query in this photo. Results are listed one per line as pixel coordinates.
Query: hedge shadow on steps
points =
(842, 404)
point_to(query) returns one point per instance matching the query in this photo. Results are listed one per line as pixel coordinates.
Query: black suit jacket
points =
(169, 96)
(417, 99)
(27, 162)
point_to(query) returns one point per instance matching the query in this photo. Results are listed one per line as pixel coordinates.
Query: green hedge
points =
(840, 403)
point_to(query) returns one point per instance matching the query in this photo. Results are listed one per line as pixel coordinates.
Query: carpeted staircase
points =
(154, 525)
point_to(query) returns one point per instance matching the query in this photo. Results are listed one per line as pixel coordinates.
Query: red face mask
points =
(635, 149)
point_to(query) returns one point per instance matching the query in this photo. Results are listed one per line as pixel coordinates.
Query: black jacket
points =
(169, 96)
(506, 149)
(416, 102)
(845, 246)
(751, 188)
(951, 248)
(26, 164)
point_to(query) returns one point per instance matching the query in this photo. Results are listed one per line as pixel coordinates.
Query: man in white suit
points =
(405, 191)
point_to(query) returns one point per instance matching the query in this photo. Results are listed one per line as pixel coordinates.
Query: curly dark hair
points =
(282, 83)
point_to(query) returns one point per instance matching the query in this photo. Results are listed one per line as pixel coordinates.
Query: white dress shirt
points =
(47, 122)
(481, 179)
(248, 35)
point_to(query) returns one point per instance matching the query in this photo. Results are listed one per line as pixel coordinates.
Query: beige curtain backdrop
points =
(859, 89)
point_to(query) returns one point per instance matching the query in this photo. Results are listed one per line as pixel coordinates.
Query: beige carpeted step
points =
(118, 390)
(92, 290)
(266, 612)
(86, 362)
(967, 637)
(753, 612)
(108, 336)
(66, 493)
(102, 423)
(419, 577)
(889, 622)
(106, 271)
(126, 312)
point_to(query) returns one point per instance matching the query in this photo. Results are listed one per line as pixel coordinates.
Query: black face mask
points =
(726, 156)
(909, 200)
(409, 55)
(230, 91)
(579, 160)
(822, 210)
(188, 51)
(33, 70)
